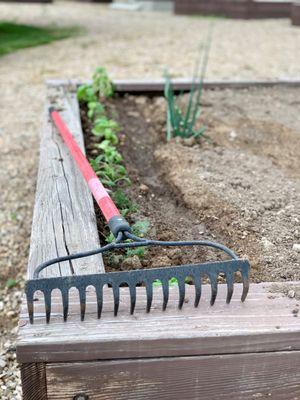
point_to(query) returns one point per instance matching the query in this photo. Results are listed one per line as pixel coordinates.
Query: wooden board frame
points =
(251, 348)
(240, 9)
(155, 87)
(296, 14)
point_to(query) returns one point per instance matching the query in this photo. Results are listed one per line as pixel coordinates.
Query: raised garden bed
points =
(296, 14)
(244, 9)
(241, 188)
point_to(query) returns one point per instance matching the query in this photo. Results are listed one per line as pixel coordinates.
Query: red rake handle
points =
(107, 206)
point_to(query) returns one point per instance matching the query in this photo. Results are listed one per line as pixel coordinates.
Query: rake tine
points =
(181, 287)
(65, 301)
(245, 287)
(47, 297)
(149, 294)
(82, 299)
(116, 293)
(133, 278)
(230, 286)
(29, 298)
(99, 294)
(165, 287)
(214, 288)
(132, 289)
(197, 283)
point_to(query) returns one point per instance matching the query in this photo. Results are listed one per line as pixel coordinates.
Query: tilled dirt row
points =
(241, 187)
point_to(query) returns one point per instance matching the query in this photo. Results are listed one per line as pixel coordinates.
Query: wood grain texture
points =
(273, 376)
(64, 218)
(265, 322)
(34, 385)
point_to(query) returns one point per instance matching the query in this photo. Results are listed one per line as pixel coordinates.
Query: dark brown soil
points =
(156, 202)
(241, 188)
(169, 217)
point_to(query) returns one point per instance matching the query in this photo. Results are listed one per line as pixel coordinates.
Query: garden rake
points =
(124, 239)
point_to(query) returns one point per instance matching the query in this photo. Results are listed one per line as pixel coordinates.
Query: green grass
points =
(14, 36)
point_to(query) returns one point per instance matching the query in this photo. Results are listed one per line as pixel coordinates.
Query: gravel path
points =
(129, 45)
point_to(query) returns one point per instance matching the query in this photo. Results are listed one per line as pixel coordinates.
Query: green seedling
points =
(139, 251)
(181, 121)
(10, 283)
(111, 154)
(123, 203)
(108, 164)
(140, 228)
(109, 238)
(110, 178)
(107, 129)
(95, 110)
(102, 85)
(86, 94)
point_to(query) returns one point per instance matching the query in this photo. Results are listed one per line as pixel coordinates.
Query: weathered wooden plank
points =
(242, 9)
(265, 322)
(156, 86)
(34, 385)
(295, 14)
(273, 376)
(64, 218)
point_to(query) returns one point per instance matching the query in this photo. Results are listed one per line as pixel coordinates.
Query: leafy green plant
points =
(123, 202)
(181, 121)
(85, 93)
(108, 163)
(10, 283)
(110, 153)
(111, 175)
(138, 251)
(95, 110)
(102, 85)
(109, 238)
(107, 129)
(140, 228)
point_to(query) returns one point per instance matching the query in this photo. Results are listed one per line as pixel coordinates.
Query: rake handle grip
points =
(108, 208)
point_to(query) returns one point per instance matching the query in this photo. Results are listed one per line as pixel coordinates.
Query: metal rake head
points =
(139, 278)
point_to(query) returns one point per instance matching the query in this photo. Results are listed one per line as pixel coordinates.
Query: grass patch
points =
(15, 36)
